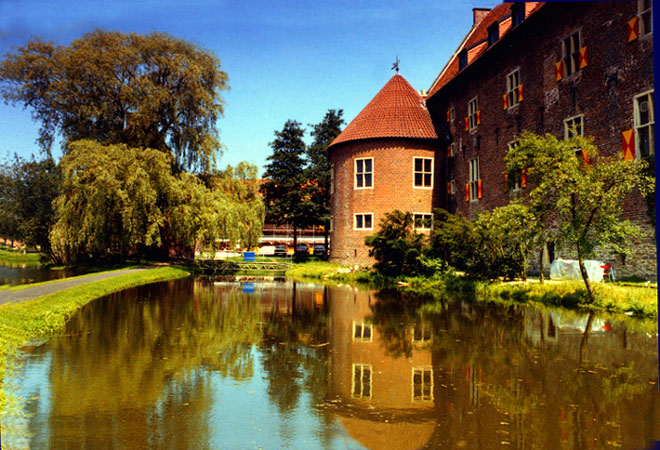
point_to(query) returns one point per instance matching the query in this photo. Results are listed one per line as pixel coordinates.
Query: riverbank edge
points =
(46, 316)
(630, 300)
(15, 257)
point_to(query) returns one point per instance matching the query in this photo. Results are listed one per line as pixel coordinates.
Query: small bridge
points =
(211, 266)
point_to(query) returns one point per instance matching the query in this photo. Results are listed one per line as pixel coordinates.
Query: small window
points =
(462, 60)
(423, 222)
(423, 172)
(474, 178)
(517, 14)
(451, 187)
(361, 381)
(363, 222)
(451, 114)
(493, 33)
(362, 332)
(421, 335)
(512, 91)
(645, 17)
(573, 126)
(364, 173)
(571, 53)
(422, 384)
(473, 107)
(644, 125)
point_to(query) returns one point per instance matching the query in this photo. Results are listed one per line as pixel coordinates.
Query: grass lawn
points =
(16, 257)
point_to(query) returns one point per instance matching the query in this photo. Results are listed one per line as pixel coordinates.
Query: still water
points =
(198, 364)
(15, 273)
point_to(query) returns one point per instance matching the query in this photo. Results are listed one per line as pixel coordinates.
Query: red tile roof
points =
(476, 41)
(396, 111)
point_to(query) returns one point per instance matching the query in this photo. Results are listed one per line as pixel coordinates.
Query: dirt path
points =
(29, 293)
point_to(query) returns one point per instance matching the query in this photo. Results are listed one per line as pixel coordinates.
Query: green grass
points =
(46, 316)
(15, 257)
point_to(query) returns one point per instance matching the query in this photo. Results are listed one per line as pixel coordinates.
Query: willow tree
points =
(145, 91)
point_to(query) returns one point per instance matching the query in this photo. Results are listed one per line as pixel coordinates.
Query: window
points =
(462, 60)
(573, 126)
(451, 187)
(422, 221)
(571, 53)
(451, 150)
(514, 184)
(473, 179)
(422, 378)
(473, 113)
(493, 33)
(362, 332)
(364, 173)
(422, 172)
(421, 335)
(645, 17)
(361, 381)
(644, 125)
(517, 14)
(512, 91)
(363, 222)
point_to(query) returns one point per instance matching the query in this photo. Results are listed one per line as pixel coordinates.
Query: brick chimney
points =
(478, 14)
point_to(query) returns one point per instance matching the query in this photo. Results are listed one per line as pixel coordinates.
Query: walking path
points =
(29, 293)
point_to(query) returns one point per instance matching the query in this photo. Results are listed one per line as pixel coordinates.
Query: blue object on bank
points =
(249, 256)
(248, 288)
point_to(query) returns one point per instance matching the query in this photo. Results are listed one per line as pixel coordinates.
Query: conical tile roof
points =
(396, 111)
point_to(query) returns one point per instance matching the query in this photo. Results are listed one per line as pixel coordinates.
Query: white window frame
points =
(452, 187)
(473, 178)
(423, 172)
(570, 52)
(363, 228)
(451, 114)
(363, 325)
(363, 173)
(473, 107)
(422, 397)
(452, 149)
(360, 393)
(570, 121)
(650, 124)
(645, 16)
(422, 228)
(512, 83)
(424, 331)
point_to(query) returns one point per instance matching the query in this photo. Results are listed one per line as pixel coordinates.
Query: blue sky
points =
(285, 59)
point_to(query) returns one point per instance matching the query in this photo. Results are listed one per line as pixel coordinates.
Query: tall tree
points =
(146, 91)
(583, 188)
(319, 170)
(286, 192)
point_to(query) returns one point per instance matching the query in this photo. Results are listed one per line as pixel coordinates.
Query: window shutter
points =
(505, 101)
(523, 178)
(628, 138)
(559, 70)
(479, 191)
(448, 188)
(479, 117)
(467, 192)
(585, 157)
(448, 116)
(448, 151)
(633, 29)
(584, 58)
(506, 182)
(520, 93)
(467, 123)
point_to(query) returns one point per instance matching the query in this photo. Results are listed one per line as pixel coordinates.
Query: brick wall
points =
(392, 189)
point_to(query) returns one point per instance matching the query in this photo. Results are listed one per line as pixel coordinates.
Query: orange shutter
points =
(479, 191)
(505, 101)
(448, 151)
(559, 70)
(628, 138)
(448, 188)
(479, 117)
(585, 157)
(520, 93)
(467, 123)
(523, 178)
(467, 192)
(633, 28)
(506, 182)
(448, 116)
(584, 58)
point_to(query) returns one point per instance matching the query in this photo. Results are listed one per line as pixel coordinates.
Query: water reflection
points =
(20, 273)
(204, 364)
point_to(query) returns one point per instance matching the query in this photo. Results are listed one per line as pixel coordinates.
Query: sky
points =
(285, 59)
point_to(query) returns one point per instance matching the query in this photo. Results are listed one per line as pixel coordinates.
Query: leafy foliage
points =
(146, 91)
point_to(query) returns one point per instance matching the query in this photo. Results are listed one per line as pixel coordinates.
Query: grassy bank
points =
(612, 297)
(46, 316)
(15, 257)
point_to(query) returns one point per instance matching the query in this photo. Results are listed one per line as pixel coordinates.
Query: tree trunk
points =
(585, 277)
(585, 338)
(325, 239)
(541, 265)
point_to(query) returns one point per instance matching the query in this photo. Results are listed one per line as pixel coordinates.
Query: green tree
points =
(286, 193)
(319, 170)
(146, 91)
(583, 188)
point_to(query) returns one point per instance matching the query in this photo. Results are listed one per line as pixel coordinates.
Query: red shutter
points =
(448, 188)
(467, 192)
(633, 29)
(467, 123)
(479, 117)
(505, 101)
(479, 191)
(628, 138)
(559, 70)
(448, 116)
(506, 182)
(584, 58)
(520, 93)
(523, 178)
(585, 157)
(448, 151)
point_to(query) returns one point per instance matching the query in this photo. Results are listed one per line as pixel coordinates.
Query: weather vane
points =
(395, 66)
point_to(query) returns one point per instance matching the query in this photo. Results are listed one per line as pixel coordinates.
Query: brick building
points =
(556, 68)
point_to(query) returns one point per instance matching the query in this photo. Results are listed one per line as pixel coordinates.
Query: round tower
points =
(385, 159)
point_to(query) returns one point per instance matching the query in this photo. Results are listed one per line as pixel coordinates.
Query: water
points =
(14, 274)
(194, 364)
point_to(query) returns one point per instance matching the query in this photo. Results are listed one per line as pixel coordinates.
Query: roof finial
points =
(395, 66)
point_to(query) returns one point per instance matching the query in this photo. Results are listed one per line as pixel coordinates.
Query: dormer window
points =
(462, 60)
(517, 14)
(493, 33)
